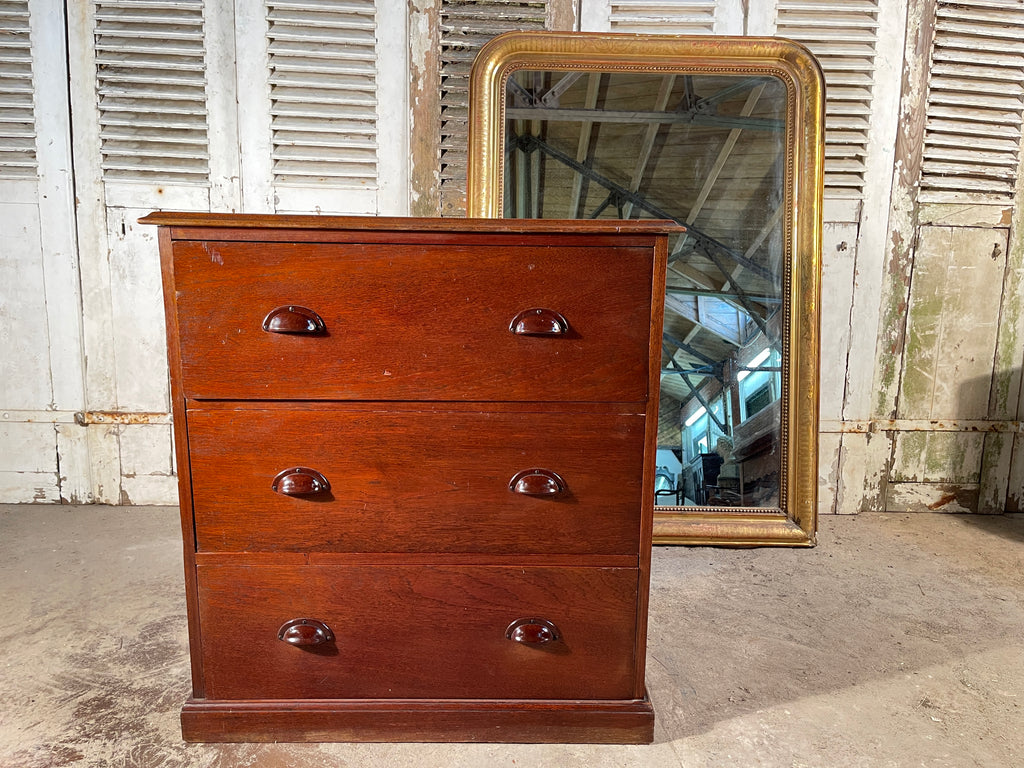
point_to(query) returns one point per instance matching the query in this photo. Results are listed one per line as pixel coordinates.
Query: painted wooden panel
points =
(838, 279)
(41, 362)
(464, 27)
(137, 317)
(829, 455)
(1015, 482)
(934, 457)
(1009, 360)
(25, 383)
(76, 471)
(931, 497)
(844, 35)
(147, 475)
(671, 17)
(952, 323)
(975, 89)
(147, 449)
(17, 118)
(863, 468)
(322, 93)
(860, 44)
(995, 479)
(28, 472)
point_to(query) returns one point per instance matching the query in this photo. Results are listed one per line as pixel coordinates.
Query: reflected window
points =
(760, 383)
(760, 399)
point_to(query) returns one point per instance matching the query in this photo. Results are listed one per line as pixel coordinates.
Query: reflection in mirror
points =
(709, 151)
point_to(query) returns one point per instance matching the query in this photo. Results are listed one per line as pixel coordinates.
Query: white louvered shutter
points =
(663, 17)
(152, 91)
(322, 96)
(17, 119)
(975, 100)
(465, 26)
(322, 129)
(682, 17)
(843, 35)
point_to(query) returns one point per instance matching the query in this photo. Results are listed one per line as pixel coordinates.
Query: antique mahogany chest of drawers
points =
(416, 474)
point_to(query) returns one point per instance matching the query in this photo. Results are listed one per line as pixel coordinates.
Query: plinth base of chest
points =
(419, 720)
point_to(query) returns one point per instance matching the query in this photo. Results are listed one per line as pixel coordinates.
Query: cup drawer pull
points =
(532, 632)
(300, 481)
(305, 632)
(293, 319)
(539, 322)
(537, 482)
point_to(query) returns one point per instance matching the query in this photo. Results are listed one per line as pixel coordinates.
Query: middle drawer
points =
(444, 482)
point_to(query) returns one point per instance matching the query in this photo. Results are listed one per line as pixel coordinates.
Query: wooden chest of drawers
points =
(416, 462)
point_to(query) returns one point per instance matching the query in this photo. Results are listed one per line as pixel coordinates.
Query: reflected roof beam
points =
(650, 135)
(698, 315)
(682, 290)
(705, 372)
(723, 155)
(707, 406)
(528, 143)
(556, 114)
(583, 146)
(550, 99)
(737, 88)
(679, 344)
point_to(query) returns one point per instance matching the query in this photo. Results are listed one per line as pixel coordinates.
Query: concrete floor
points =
(896, 642)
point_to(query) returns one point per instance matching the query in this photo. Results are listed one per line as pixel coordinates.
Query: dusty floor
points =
(899, 641)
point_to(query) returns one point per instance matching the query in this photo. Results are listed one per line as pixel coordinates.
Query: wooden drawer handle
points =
(532, 631)
(300, 481)
(539, 322)
(305, 632)
(293, 319)
(537, 482)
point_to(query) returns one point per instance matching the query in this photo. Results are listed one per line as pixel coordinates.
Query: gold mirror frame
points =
(794, 521)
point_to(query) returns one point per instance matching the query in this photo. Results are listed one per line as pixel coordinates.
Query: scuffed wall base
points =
(49, 457)
(931, 497)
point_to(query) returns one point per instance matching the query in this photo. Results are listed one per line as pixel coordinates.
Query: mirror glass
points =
(709, 152)
(725, 136)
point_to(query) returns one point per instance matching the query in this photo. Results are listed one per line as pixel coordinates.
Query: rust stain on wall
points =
(87, 418)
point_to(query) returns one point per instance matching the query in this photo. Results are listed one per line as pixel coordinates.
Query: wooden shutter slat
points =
(151, 91)
(975, 100)
(694, 17)
(465, 26)
(322, 74)
(843, 35)
(975, 156)
(17, 104)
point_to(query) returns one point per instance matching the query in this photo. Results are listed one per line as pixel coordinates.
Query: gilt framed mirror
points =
(725, 137)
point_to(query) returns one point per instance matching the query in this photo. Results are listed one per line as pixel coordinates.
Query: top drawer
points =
(413, 322)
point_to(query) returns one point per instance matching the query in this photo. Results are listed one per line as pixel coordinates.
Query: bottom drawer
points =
(419, 632)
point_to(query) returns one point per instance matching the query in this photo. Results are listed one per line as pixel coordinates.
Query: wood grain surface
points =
(418, 631)
(417, 720)
(413, 322)
(415, 482)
